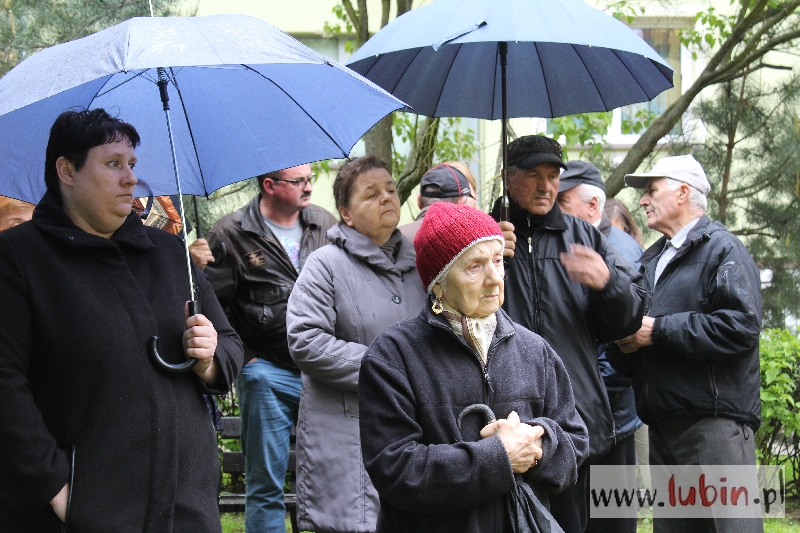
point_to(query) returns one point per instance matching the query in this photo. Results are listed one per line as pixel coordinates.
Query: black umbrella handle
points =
(194, 308)
(481, 408)
(168, 367)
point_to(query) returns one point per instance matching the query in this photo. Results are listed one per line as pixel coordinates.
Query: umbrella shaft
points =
(162, 86)
(503, 48)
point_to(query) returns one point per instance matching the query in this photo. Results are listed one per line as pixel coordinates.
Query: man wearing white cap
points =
(695, 359)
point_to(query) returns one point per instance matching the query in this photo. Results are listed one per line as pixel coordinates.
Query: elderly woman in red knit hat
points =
(462, 349)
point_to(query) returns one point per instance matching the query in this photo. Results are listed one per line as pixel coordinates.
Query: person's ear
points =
(65, 170)
(437, 290)
(268, 186)
(593, 205)
(345, 214)
(683, 193)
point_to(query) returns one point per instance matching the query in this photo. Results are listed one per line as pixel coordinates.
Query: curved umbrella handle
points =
(194, 308)
(175, 369)
(484, 409)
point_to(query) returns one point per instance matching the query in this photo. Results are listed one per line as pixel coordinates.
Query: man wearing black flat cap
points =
(566, 284)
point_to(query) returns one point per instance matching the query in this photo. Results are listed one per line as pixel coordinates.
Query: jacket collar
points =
(253, 220)
(50, 217)
(360, 247)
(554, 219)
(605, 225)
(700, 232)
(504, 329)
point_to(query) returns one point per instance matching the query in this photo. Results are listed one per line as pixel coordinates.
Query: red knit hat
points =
(447, 231)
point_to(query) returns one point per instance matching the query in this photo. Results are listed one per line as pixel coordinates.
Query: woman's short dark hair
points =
(346, 177)
(74, 133)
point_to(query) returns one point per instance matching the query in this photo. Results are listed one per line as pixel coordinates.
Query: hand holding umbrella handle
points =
(194, 308)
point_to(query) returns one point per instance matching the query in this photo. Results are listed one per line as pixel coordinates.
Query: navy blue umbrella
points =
(495, 59)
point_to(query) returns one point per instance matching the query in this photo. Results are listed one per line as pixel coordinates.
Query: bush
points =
(778, 439)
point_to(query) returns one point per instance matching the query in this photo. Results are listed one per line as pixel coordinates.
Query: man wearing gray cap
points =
(695, 359)
(567, 284)
(442, 183)
(582, 194)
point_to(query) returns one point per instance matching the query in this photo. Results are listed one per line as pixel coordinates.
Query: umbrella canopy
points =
(246, 99)
(564, 57)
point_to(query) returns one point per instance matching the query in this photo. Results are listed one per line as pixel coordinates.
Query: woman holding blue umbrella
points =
(97, 435)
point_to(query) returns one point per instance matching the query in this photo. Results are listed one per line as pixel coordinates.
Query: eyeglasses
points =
(300, 183)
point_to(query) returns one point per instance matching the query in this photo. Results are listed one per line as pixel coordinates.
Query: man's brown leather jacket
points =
(252, 276)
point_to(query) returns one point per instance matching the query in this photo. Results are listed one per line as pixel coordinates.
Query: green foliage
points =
(342, 26)
(640, 122)
(27, 26)
(751, 155)
(453, 141)
(778, 439)
(586, 131)
(624, 11)
(714, 28)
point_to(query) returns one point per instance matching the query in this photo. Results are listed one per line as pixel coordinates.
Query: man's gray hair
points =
(587, 192)
(697, 199)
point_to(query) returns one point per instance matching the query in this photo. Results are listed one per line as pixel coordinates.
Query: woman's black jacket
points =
(415, 379)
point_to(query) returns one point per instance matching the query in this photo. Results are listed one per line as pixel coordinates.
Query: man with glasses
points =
(258, 253)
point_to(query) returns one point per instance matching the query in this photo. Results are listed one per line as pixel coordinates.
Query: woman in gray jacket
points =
(348, 292)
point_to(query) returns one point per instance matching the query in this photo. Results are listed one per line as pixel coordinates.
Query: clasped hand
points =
(523, 442)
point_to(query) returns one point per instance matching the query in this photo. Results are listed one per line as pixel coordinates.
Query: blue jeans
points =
(269, 397)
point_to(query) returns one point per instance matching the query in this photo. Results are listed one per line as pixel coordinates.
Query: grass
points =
(234, 523)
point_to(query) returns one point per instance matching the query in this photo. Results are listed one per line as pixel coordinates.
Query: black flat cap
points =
(531, 150)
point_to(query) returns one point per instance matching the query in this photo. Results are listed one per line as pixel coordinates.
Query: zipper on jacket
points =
(530, 237)
(714, 387)
(535, 320)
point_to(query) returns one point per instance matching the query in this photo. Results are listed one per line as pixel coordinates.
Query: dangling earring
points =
(437, 306)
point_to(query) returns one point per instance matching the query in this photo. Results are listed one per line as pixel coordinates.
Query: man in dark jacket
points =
(258, 253)
(582, 193)
(695, 358)
(566, 284)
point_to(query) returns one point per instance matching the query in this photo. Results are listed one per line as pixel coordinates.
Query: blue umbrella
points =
(247, 99)
(495, 59)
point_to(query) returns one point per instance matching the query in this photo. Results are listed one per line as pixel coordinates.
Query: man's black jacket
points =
(570, 316)
(707, 310)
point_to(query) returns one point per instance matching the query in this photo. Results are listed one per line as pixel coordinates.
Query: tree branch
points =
(351, 13)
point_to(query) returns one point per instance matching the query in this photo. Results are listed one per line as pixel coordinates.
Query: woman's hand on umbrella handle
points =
(59, 503)
(523, 443)
(200, 342)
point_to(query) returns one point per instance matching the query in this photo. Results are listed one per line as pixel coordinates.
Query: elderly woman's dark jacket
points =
(77, 386)
(415, 380)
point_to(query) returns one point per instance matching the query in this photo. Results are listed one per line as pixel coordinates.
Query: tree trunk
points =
(647, 142)
(420, 159)
(378, 140)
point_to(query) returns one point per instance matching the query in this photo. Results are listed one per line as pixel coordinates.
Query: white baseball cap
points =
(683, 168)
